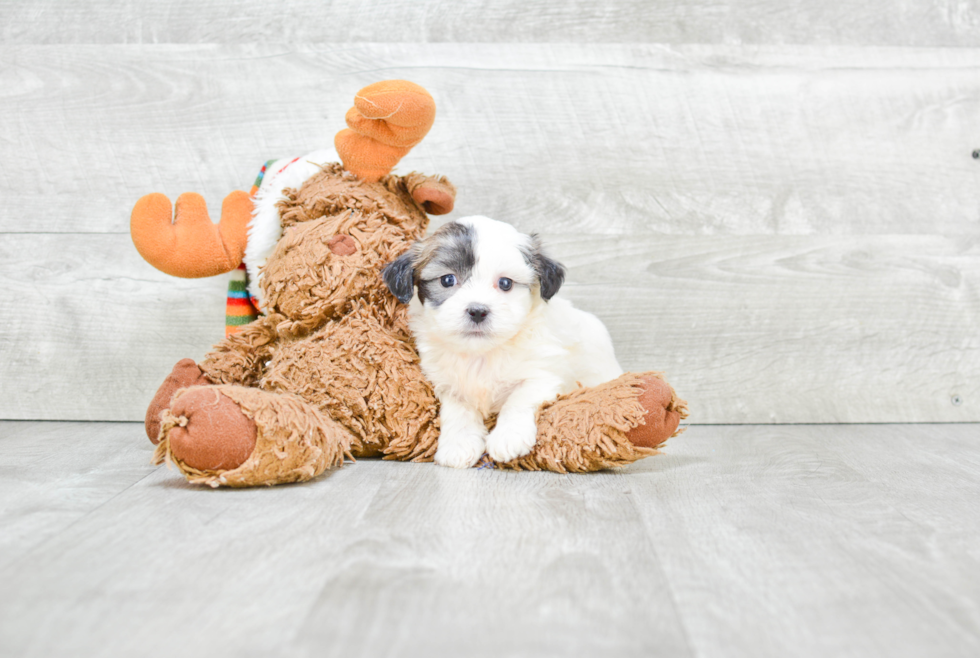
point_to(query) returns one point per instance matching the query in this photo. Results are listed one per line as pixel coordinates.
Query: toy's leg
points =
(664, 412)
(613, 424)
(208, 431)
(225, 435)
(238, 359)
(185, 373)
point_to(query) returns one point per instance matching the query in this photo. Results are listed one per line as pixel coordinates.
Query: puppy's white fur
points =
(525, 352)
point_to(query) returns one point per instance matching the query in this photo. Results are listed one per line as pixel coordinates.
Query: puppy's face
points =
(477, 279)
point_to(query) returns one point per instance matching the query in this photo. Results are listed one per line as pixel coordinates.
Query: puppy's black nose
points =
(478, 313)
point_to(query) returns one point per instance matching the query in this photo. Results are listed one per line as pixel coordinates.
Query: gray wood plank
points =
(878, 22)
(53, 474)
(90, 330)
(499, 565)
(748, 329)
(749, 540)
(145, 572)
(365, 561)
(792, 329)
(861, 324)
(614, 139)
(820, 540)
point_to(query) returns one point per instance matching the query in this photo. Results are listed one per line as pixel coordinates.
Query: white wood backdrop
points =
(872, 22)
(777, 206)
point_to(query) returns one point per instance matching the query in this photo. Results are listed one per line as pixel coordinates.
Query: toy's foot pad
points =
(185, 373)
(213, 433)
(664, 413)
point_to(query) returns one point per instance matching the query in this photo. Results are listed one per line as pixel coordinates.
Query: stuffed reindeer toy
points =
(329, 370)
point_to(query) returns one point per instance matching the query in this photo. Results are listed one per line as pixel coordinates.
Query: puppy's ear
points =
(399, 276)
(551, 273)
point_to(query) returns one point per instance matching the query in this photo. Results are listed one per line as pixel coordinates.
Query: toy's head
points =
(338, 233)
(322, 245)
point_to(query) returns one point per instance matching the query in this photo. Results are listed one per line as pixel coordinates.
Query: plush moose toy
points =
(329, 371)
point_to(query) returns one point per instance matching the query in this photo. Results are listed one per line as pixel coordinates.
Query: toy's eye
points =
(448, 281)
(505, 284)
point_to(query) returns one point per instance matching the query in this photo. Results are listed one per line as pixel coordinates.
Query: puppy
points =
(492, 335)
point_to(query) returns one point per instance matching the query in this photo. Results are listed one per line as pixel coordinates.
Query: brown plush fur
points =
(334, 335)
(364, 372)
(331, 370)
(588, 429)
(309, 283)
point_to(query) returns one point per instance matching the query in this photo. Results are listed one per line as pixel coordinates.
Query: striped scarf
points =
(241, 307)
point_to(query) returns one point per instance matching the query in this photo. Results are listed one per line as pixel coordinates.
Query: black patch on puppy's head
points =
(450, 250)
(399, 276)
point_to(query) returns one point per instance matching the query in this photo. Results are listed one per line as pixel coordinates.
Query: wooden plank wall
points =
(776, 204)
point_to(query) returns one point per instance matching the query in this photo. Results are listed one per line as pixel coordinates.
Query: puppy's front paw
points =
(459, 450)
(513, 437)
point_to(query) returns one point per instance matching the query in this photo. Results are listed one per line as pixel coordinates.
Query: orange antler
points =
(387, 120)
(187, 244)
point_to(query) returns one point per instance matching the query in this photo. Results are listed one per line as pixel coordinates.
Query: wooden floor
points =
(803, 540)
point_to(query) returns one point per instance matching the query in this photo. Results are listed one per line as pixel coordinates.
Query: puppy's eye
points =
(448, 281)
(505, 284)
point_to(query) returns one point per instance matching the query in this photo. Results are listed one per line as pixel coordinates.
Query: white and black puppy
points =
(492, 335)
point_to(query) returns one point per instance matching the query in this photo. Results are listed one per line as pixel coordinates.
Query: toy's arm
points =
(241, 357)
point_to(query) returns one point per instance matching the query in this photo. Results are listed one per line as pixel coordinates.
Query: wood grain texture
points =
(878, 22)
(90, 330)
(790, 232)
(737, 541)
(52, 475)
(800, 329)
(749, 329)
(614, 139)
(820, 540)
